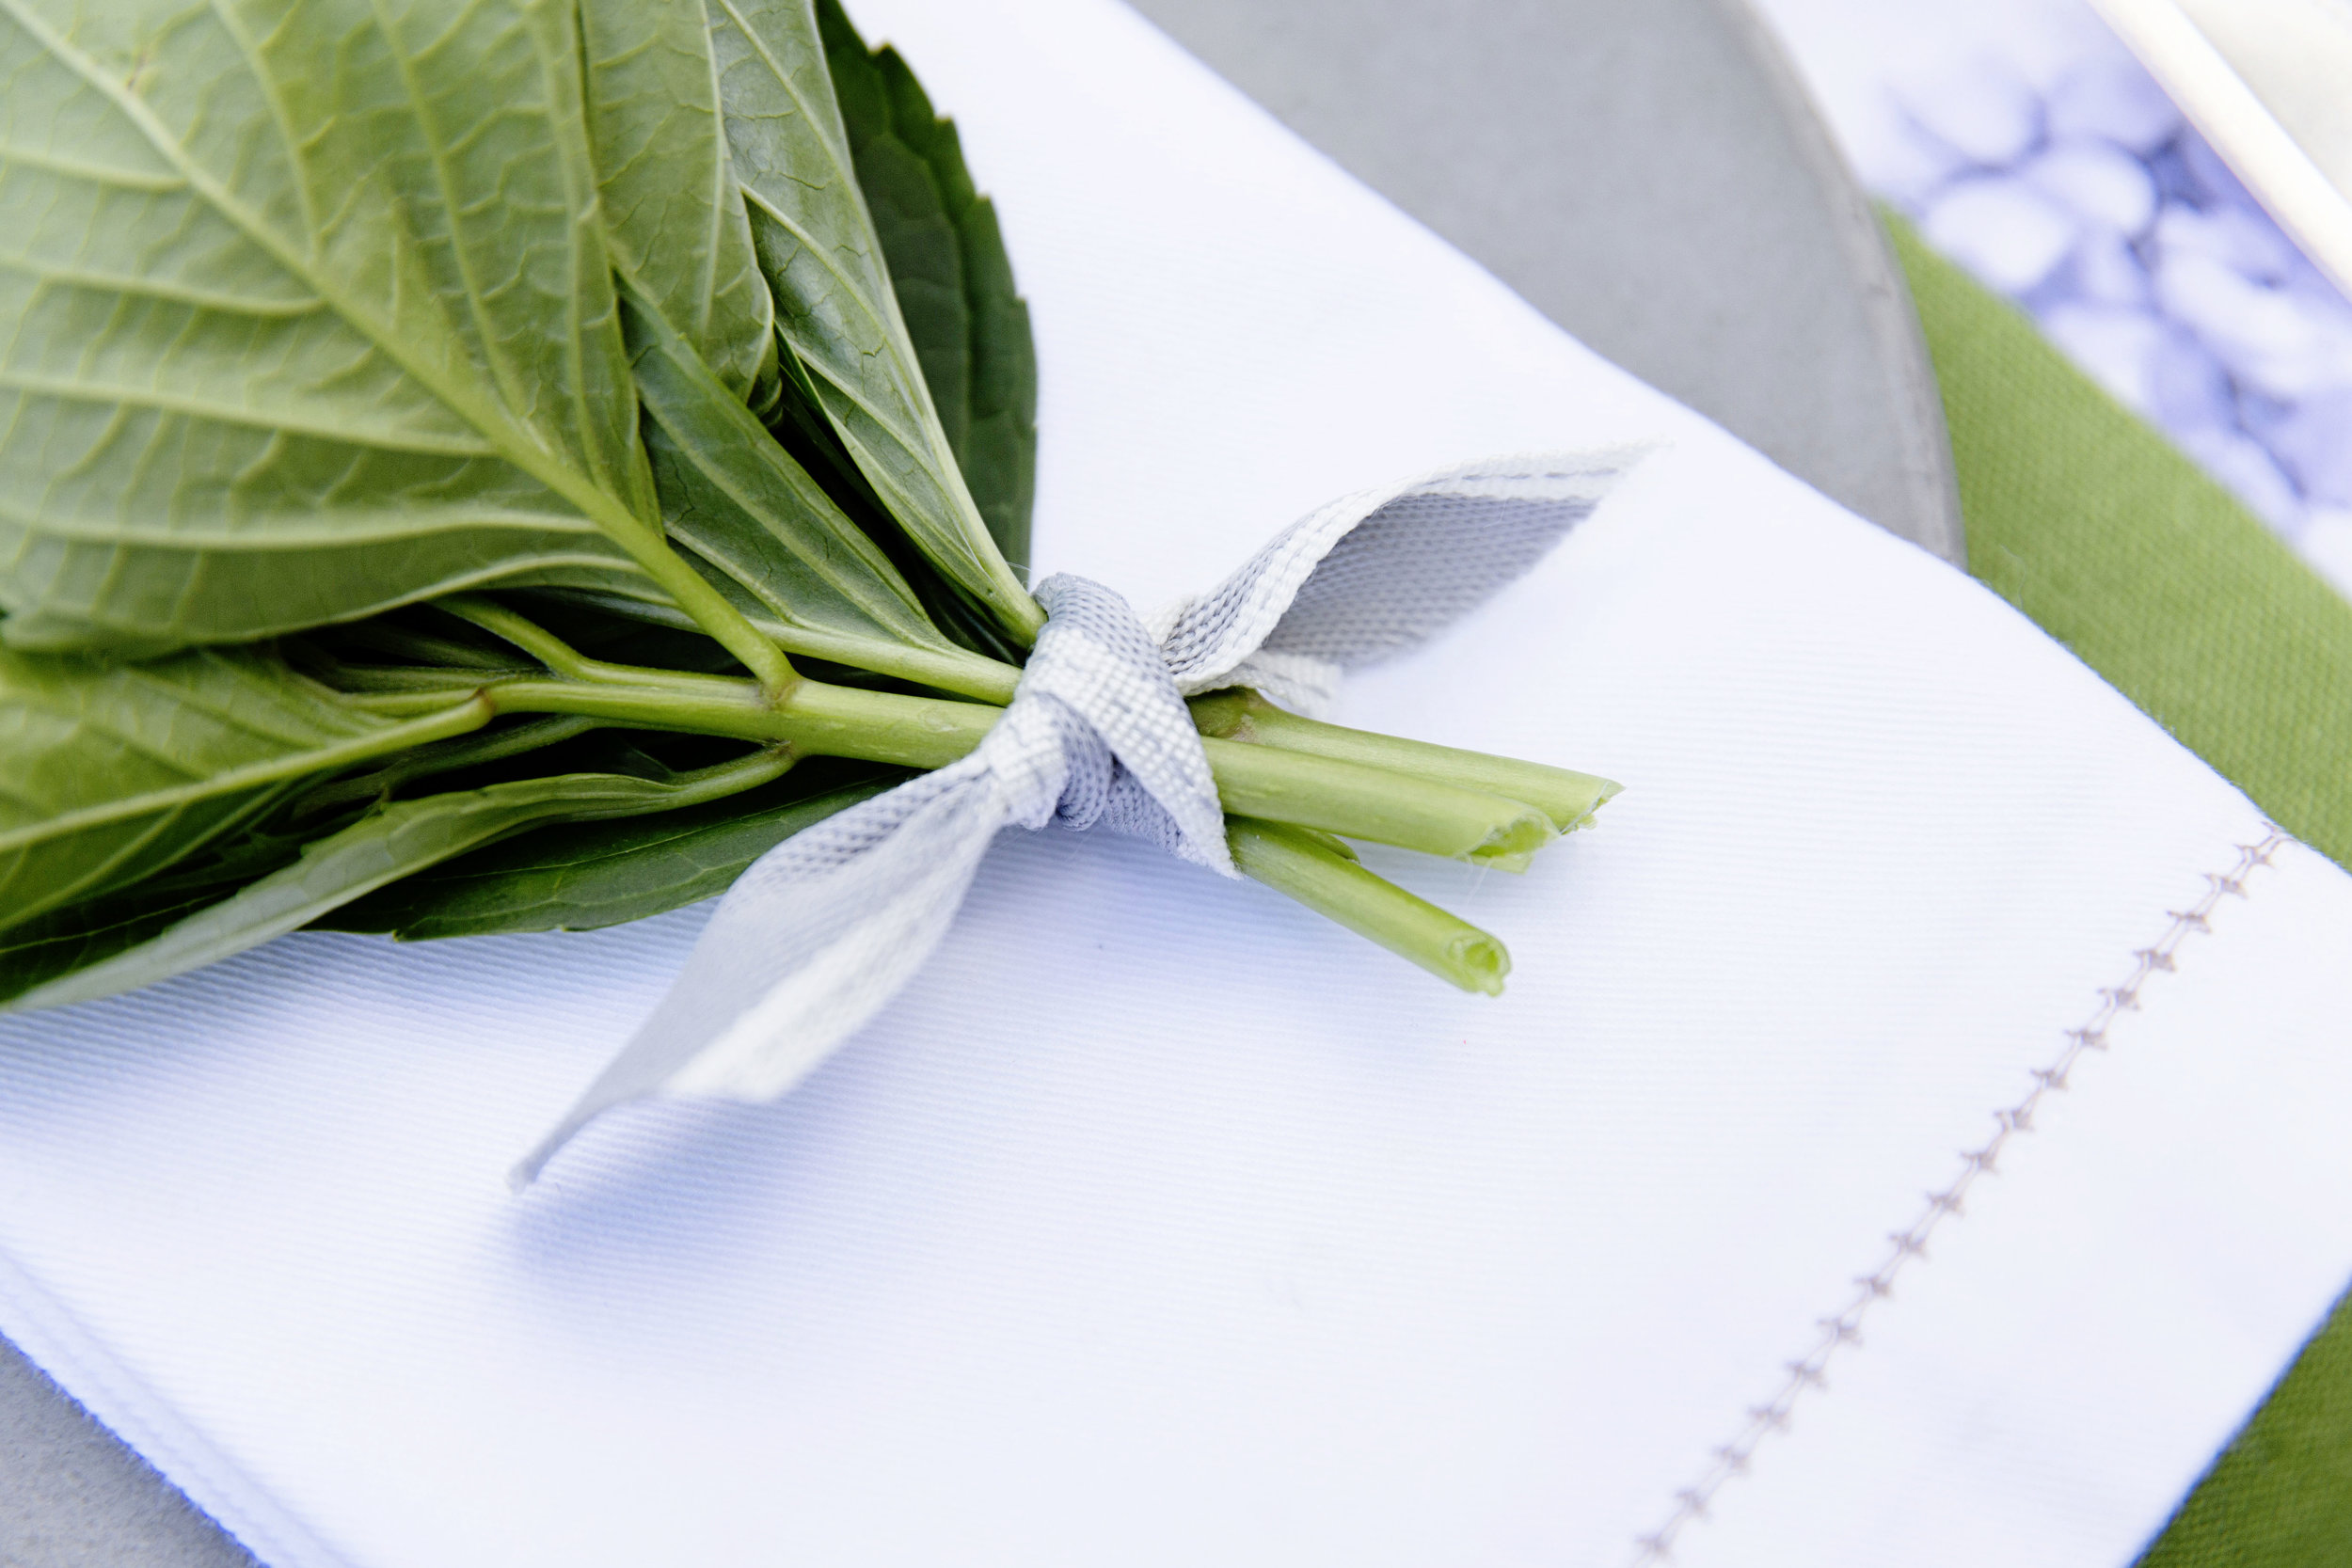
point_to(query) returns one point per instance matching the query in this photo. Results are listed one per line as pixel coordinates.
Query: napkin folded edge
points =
(71, 1357)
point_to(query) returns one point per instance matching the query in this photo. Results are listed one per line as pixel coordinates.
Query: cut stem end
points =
(1304, 865)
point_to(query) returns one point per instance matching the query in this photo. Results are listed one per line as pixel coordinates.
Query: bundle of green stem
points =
(520, 461)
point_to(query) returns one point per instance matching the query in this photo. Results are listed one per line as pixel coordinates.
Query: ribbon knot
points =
(1120, 739)
(823, 931)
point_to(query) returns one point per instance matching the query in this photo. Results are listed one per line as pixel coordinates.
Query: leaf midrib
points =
(452, 208)
(723, 185)
(963, 544)
(177, 695)
(321, 715)
(841, 537)
(98, 874)
(345, 531)
(849, 286)
(234, 26)
(456, 719)
(845, 176)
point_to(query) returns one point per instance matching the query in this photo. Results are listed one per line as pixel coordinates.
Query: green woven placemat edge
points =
(2094, 525)
(2117, 544)
(2281, 1494)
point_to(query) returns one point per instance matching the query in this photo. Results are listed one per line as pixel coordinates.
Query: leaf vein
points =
(283, 122)
(178, 293)
(66, 390)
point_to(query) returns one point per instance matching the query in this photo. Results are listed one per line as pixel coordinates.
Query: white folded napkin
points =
(1294, 1256)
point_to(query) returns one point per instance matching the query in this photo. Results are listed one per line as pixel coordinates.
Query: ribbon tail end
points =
(525, 1173)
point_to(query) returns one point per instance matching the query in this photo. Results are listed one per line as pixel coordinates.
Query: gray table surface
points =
(1646, 172)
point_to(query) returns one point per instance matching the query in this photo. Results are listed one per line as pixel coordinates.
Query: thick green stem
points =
(1324, 876)
(650, 548)
(558, 654)
(967, 675)
(881, 726)
(1018, 613)
(1568, 798)
(816, 719)
(713, 612)
(523, 632)
(734, 709)
(1375, 803)
(1315, 792)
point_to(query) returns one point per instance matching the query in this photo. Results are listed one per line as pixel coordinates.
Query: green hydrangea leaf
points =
(968, 323)
(740, 501)
(305, 311)
(81, 935)
(835, 309)
(387, 843)
(112, 772)
(581, 876)
(673, 213)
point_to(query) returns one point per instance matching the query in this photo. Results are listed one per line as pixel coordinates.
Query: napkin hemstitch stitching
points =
(1844, 1327)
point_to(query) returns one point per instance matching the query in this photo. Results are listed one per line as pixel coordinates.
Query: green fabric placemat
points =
(2094, 525)
(2281, 1494)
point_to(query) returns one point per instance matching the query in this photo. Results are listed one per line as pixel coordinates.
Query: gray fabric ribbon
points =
(823, 929)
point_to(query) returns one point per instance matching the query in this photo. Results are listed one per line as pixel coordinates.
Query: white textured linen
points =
(821, 931)
(1290, 1255)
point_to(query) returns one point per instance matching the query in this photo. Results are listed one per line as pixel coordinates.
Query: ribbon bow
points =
(824, 928)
